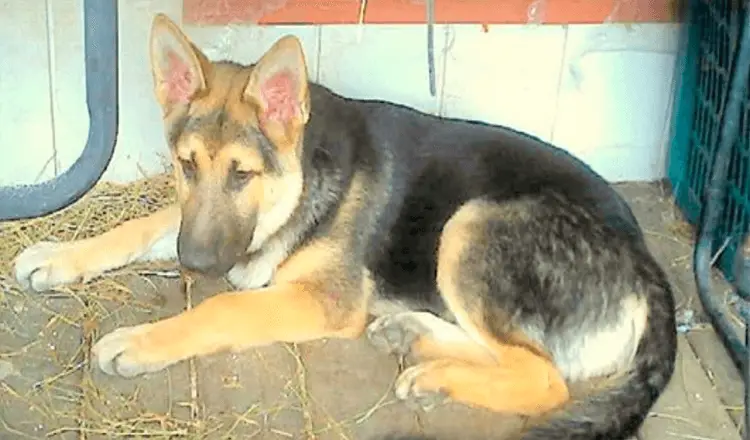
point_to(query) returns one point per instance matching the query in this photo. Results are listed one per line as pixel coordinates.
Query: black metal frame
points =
(101, 56)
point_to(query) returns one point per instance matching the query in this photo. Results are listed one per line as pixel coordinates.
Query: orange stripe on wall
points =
(212, 12)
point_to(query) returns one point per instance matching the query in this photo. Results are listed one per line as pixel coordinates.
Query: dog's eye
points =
(188, 168)
(241, 177)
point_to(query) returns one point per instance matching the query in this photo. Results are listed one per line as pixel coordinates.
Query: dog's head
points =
(235, 134)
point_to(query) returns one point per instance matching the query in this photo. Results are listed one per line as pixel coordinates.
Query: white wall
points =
(600, 91)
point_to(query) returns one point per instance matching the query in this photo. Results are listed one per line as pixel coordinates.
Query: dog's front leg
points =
(292, 312)
(47, 264)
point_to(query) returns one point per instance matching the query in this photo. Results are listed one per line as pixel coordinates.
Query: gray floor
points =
(320, 390)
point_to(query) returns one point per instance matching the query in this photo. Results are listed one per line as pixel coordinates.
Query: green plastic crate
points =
(703, 73)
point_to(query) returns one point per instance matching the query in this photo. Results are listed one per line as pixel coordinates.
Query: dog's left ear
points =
(178, 67)
(278, 87)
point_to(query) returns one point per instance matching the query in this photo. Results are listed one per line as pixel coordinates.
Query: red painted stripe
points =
(413, 11)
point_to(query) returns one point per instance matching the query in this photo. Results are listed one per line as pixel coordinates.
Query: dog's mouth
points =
(219, 270)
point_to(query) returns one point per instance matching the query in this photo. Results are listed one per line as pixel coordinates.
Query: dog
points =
(505, 266)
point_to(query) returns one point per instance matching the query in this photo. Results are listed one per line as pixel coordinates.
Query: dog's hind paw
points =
(395, 334)
(46, 264)
(414, 388)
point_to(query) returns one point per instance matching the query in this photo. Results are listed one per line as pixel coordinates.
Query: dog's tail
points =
(616, 412)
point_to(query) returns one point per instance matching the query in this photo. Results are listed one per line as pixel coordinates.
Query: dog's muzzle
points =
(204, 261)
(213, 251)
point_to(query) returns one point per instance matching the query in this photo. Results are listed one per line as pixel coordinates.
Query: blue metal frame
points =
(686, 79)
(101, 50)
(714, 197)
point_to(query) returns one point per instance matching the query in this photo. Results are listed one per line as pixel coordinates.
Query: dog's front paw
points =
(414, 386)
(395, 334)
(250, 276)
(45, 265)
(126, 352)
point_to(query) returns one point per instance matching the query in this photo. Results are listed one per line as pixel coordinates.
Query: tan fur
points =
(228, 321)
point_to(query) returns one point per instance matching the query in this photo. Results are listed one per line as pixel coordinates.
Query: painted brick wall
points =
(584, 81)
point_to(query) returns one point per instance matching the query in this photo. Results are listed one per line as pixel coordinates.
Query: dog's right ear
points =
(178, 67)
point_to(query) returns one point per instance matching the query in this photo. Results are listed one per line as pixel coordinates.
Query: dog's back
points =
(515, 242)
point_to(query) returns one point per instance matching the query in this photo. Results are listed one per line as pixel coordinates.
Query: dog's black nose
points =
(198, 261)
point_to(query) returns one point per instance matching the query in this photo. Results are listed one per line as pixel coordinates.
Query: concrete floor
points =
(321, 390)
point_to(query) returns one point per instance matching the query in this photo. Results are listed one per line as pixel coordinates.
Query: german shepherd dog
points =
(508, 268)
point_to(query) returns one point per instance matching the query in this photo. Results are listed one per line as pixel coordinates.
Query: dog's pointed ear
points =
(278, 88)
(178, 67)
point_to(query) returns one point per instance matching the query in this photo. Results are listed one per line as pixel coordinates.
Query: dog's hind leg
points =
(424, 336)
(523, 379)
(523, 383)
(45, 265)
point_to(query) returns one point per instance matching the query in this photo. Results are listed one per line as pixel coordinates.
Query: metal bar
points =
(431, 46)
(100, 50)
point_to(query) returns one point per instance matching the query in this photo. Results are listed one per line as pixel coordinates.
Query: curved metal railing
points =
(100, 35)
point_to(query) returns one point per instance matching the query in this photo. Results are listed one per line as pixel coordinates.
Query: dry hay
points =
(676, 223)
(80, 308)
(70, 398)
(106, 206)
(101, 409)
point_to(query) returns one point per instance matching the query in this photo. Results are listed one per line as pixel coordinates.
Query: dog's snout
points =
(199, 245)
(210, 250)
(212, 238)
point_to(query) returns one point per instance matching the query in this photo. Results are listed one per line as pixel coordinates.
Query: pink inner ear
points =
(279, 95)
(179, 79)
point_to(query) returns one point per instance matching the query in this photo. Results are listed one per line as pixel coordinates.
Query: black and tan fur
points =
(505, 266)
